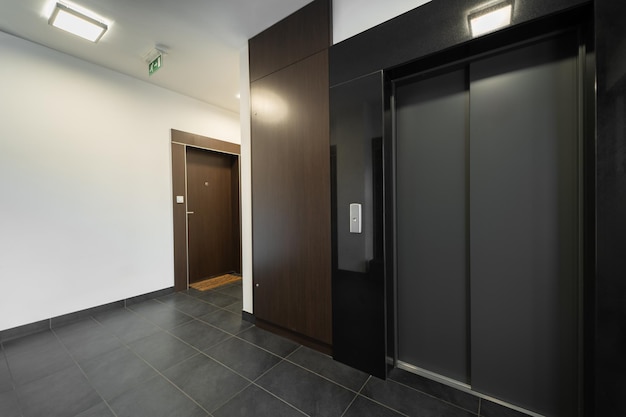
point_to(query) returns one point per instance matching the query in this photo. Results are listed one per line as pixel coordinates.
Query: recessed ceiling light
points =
(491, 18)
(73, 21)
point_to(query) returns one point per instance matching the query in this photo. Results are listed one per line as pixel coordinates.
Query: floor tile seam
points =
(250, 383)
(185, 295)
(164, 328)
(387, 406)
(364, 384)
(16, 397)
(201, 300)
(320, 375)
(349, 405)
(17, 386)
(111, 410)
(169, 381)
(208, 324)
(268, 371)
(83, 373)
(202, 352)
(281, 399)
(133, 352)
(255, 345)
(226, 307)
(305, 369)
(158, 374)
(433, 397)
(11, 378)
(186, 343)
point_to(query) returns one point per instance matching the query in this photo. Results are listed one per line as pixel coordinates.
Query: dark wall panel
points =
(298, 36)
(610, 338)
(291, 198)
(358, 259)
(180, 217)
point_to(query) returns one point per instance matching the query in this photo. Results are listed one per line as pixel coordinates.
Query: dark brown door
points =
(213, 214)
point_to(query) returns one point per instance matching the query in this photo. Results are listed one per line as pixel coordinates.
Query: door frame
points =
(179, 142)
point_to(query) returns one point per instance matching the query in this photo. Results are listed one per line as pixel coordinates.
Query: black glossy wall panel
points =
(433, 27)
(610, 337)
(356, 177)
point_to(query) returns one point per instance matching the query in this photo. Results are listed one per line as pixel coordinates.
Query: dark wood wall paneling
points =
(180, 217)
(300, 35)
(204, 142)
(291, 176)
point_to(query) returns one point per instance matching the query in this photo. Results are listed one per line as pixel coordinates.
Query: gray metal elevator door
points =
(524, 211)
(488, 225)
(431, 215)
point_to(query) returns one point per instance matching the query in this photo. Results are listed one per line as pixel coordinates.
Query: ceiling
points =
(203, 39)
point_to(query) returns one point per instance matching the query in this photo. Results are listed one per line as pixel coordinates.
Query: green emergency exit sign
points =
(155, 65)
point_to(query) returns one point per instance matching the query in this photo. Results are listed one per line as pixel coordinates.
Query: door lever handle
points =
(190, 212)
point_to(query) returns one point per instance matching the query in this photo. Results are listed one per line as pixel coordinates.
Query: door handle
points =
(190, 212)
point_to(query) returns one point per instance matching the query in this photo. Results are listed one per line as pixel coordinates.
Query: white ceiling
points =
(203, 38)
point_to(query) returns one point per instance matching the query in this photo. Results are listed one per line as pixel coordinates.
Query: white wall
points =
(246, 182)
(351, 17)
(85, 181)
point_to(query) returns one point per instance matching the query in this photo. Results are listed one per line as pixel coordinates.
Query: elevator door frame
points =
(449, 61)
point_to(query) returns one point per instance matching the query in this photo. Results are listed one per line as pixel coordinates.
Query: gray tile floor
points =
(190, 354)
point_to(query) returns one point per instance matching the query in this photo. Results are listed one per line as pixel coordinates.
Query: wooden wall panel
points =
(204, 142)
(296, 37)
(180, 217)
(291, 198)
(291, 177)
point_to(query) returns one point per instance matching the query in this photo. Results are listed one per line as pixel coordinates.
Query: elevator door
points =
(487, 206)
(524, 213)
(431, 217)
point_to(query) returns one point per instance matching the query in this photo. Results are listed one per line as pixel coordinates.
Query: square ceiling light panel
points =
(71, 20)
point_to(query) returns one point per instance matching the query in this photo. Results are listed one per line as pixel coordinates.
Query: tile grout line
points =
(356, 396)
(82, 371)
(434, 397)
(13, 383)
(378, 402)
(320, 375)
(132, 351)
(158, 373)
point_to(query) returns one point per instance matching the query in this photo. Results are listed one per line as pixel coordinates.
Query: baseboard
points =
(59, 321)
